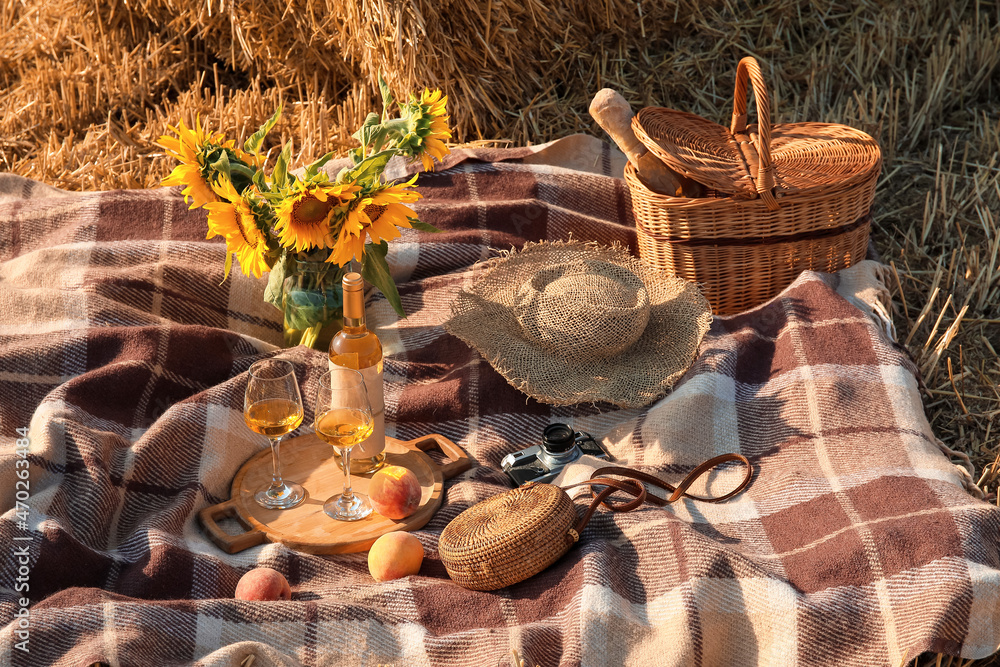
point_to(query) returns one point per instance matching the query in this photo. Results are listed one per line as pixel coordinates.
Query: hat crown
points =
(584, 308)
(549, 318)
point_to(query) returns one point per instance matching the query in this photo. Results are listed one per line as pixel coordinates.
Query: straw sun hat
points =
(572, 322)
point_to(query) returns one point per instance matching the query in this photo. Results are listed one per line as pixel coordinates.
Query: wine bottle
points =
(357, 348)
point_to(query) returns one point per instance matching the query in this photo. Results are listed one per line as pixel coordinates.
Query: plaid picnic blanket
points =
(123, 359)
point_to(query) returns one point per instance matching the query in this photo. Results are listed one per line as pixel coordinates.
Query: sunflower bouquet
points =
(292, 225)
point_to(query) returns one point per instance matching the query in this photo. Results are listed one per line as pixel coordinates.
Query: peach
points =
(394, 555)
(394, 492)
(264, 584)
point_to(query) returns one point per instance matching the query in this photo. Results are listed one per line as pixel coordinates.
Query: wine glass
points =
(344, 419)
(273, 408)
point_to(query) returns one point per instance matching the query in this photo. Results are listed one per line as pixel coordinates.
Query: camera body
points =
(541, 463)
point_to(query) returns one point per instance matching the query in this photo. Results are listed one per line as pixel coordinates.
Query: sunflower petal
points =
(229, 265)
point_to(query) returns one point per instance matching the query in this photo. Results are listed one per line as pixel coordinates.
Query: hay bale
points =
(521, 71)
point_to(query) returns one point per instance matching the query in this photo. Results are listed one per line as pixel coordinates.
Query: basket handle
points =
(635, 487)
(764, 176)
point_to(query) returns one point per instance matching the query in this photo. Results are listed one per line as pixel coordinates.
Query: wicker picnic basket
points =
(778, 199)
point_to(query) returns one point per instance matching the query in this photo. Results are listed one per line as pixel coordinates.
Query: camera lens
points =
(557, 438)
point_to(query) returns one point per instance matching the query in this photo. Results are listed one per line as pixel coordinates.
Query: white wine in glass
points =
(274, 417)
(273, 407)
(343, 428)
(344, 419)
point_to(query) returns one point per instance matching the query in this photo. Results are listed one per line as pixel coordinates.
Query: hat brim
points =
(679, 317)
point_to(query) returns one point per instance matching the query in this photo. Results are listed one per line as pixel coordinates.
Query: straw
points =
(87, 92)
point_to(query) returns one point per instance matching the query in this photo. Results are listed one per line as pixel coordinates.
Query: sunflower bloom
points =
(233, 219)
(350, 242)
(378, 216)
(424, 128)
(189, 148)
(438, 130)
(306, 218)
(196, 187)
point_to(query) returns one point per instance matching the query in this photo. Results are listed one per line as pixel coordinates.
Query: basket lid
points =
(805, 155)
(747, 161)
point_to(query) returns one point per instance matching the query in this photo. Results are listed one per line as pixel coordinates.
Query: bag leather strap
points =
(635, 486)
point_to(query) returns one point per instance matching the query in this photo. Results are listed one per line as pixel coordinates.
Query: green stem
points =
(241, 169)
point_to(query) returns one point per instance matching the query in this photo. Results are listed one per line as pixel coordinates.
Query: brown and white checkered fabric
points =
(125, 357)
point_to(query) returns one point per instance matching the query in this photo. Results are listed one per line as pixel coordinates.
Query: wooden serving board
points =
(310, 462)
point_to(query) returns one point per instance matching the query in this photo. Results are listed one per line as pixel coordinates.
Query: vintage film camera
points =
(541, 463)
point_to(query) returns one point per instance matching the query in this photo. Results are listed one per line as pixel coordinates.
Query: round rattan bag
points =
(516, 534)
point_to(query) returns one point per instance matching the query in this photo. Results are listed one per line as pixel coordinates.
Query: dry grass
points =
(85, 97)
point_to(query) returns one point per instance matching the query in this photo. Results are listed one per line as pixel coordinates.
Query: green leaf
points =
(378, 137)
(280, 174)
(272, 293)
(375, 270)
(258, 179)
(422, 226)
(387, 97)
(221, 165)
(343, 175)
(371, 166)
(273, 253)
(314, 168)
(256, 140)
(304, 309)
(274, 198)
(371, 120)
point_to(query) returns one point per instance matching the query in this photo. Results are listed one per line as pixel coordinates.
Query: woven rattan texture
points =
(801, 156)
(806, 156)
(508, 537)
(724, 218)
(782, 199)
(738, 276)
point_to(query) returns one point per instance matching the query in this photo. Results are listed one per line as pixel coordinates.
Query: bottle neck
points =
(354, 312)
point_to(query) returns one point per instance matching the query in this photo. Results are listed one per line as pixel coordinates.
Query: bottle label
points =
(374, 444)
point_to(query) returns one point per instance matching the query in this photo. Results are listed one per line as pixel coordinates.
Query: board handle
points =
(460, 461)
(229, 543)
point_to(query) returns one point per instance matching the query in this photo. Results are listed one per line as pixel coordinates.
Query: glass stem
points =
(348, 494)
(276, 482)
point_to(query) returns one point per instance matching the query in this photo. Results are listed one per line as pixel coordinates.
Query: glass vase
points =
(312, 303)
